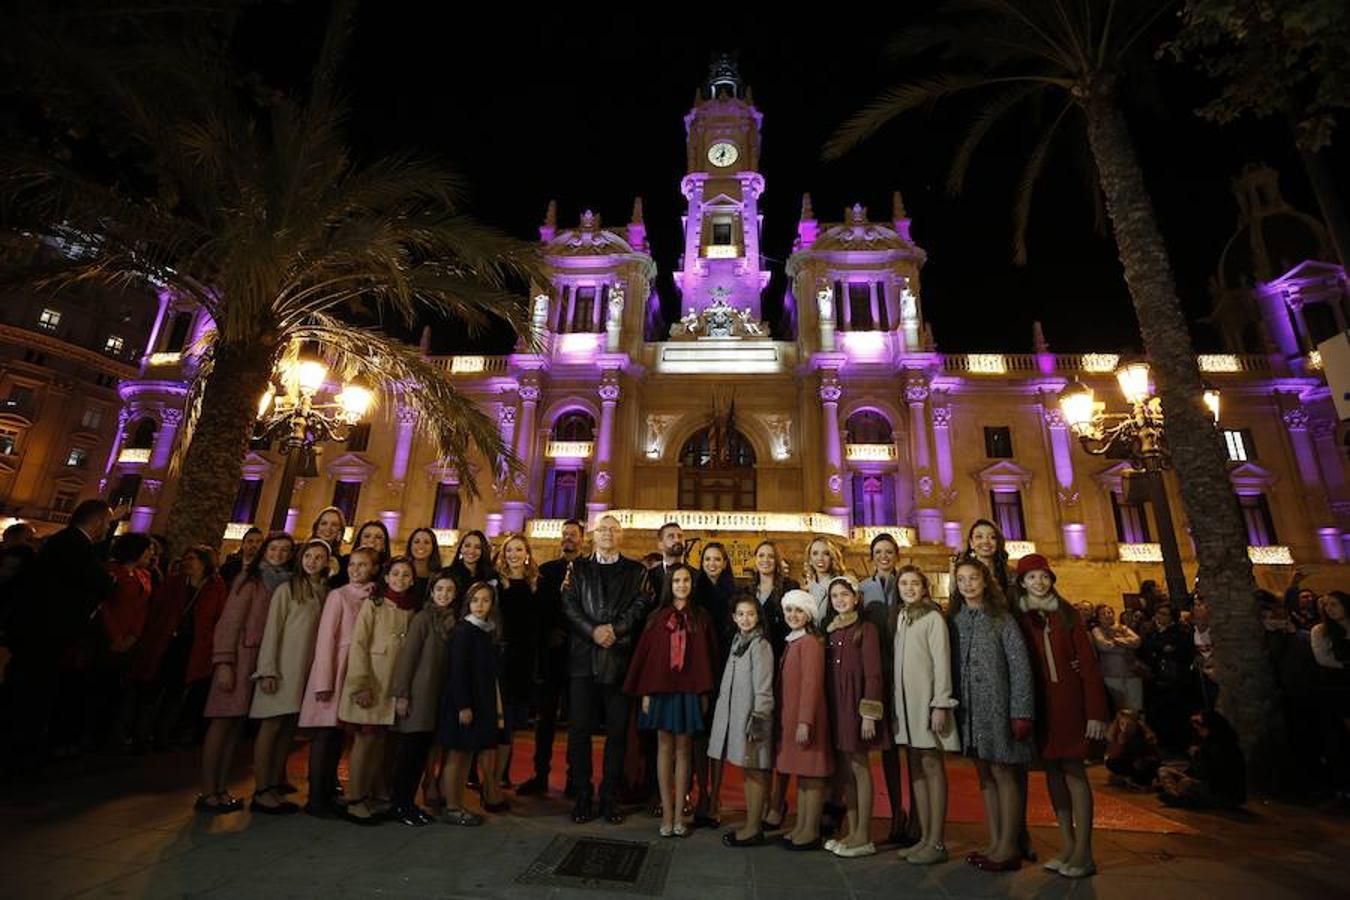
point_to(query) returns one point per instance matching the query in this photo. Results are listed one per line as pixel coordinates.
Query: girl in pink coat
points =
(234, 657)
(319, 708)
(804, 747)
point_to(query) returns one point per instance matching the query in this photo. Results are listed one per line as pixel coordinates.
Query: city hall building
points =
(842, 417)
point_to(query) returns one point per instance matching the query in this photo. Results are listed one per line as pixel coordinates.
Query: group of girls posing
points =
(814, 680)
(391, 656)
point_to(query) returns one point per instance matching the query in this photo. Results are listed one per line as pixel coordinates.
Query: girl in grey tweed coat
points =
(996, 705)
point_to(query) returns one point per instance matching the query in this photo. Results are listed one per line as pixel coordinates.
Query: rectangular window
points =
(358, 439)
(113, 345)
(998, 442)
(128, 486)
(1131, 520)
(49, 319)
(9, 441)
(873, 499)
(839, 300)
(1239, 445)
(1260, 524)
(64, 501)
(883, 315)
(446, 512)
(583, 310)
(721, 234)
(178, 332)
(565, 494)
(1007, 508)
(20, 400)
(560, 318)
(346, 494)
(77, 458)
(92, 418)
(246, 500)
(859, 307)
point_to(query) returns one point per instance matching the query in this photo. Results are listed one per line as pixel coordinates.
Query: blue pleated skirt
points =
(676, 713)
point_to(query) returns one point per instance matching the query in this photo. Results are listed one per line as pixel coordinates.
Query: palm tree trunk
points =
(1247, 696)
(209, 479)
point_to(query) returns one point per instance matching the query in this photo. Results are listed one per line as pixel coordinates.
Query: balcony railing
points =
(903, 534)
(569, 449)
(869, 452)
(471, 365)
(134, 455)
(1103, 363)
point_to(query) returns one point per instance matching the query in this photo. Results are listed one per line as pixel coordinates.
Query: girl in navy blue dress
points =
(672, 671)
(471, 708)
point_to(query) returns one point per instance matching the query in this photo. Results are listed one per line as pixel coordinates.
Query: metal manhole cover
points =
(601, 864)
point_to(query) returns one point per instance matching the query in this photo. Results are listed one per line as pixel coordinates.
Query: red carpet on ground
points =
(1113, 811)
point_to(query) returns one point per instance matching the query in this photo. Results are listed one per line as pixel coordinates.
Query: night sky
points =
(587, 108)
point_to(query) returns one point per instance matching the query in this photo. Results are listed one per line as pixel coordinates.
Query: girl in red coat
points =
(1070, 707)
(853, 683)
(804, 747)
(672, 671)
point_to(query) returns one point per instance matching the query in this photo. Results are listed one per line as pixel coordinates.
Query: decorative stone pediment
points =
(350, 467)
(1004, 474)
(1249, 478)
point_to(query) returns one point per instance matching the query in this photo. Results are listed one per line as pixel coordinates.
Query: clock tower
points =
(722, 223)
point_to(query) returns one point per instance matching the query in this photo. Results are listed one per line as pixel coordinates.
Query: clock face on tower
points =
(723, 154)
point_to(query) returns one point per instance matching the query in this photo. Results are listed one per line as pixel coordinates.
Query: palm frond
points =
(988, 116)
(896, 100)
(457, 426)
(1026, 185)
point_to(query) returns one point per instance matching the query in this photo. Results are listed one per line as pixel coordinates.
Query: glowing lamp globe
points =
(355, 402)
(1134, 381)
(1078, 405)
(1212, 402)
(311, 374)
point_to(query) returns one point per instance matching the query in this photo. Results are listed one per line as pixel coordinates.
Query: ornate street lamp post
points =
(291, 417)
(1139, 433)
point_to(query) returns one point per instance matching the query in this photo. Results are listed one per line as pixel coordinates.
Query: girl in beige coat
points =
(284, 658)
(923, 704)
(367, 702)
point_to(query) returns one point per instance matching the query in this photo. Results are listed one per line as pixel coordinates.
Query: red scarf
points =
(403, 600)
(678, 626)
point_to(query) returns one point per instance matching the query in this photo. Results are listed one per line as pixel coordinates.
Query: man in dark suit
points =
(554, 576)
(606, 606)
(54, 628)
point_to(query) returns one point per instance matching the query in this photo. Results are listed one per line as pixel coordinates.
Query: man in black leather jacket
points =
(606, 606)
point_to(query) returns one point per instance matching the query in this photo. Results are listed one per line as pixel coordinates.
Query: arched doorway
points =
(717, 477)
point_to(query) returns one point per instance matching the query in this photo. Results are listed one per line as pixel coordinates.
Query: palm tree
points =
(1070, 57)
(248, 202)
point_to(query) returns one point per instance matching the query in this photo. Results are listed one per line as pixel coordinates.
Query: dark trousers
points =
(325, 752)
(410, 761)
(593, 701)
(549, 697)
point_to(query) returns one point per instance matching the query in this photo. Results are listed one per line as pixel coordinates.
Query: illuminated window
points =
(77, 458)
(49, 319)
(445, 514)
(1260, 524)
(565, 494)
(873, 500)
(346, 494)
(93, 417)
(998, 442)
(246, 500)
(1007, 509)
(113, 345)
(1131, 520)
(9, 440)
(1239, 444)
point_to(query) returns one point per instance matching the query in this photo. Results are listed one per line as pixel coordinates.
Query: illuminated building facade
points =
(839, 416)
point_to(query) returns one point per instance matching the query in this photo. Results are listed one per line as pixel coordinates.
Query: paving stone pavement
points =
(123, 827)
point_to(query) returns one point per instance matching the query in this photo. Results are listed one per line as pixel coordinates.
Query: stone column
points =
(928, 518)
(517, 507)
(601, 489)
(1061, 451)
(941, 412)
(406, 419)
(1320, 473)
(830, 393)
(169, 420)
